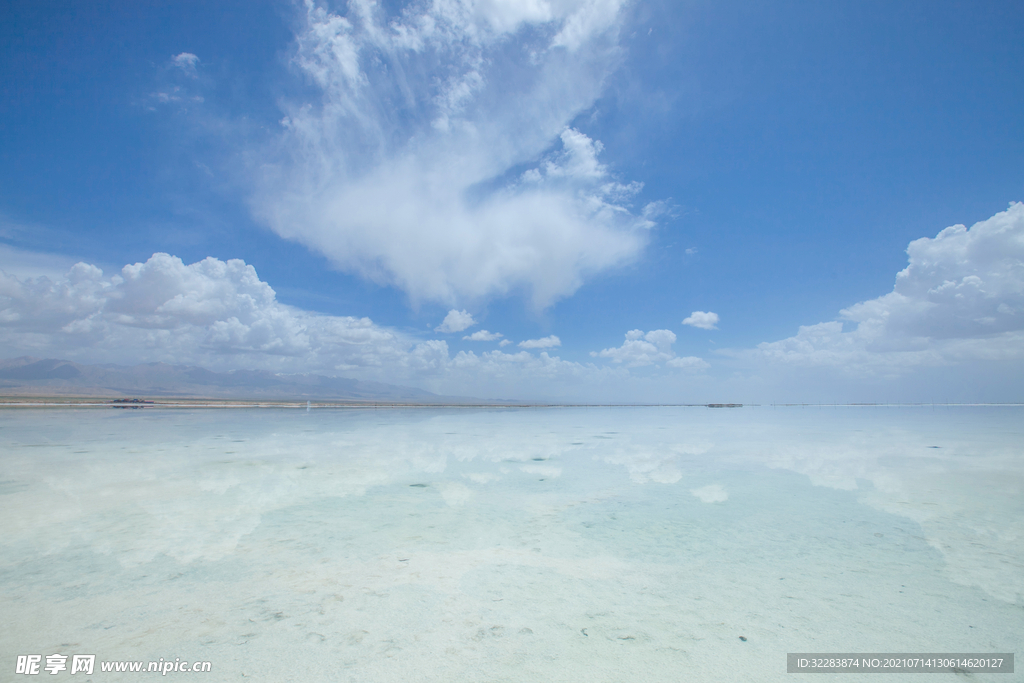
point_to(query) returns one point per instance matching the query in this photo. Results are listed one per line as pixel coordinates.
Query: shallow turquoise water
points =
(562, 544)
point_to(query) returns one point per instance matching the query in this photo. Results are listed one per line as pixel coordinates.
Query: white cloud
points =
(651, 348)
(22, 263)
(542, 343)
(959, 303)
(213, 312)
(400, 170)
(690, 363)
(220, 315)
(961, 284)
(186, 61)
(960, 298)
(181, 89)
(958, 308)
(484, 335)
(455, 321)
(505, 342)
(703, 320)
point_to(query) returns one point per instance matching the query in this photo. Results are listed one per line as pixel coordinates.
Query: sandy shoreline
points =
(185, 402)
(200, 402)
(82, 402)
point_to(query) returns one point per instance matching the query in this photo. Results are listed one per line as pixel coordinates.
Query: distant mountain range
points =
(28, 376)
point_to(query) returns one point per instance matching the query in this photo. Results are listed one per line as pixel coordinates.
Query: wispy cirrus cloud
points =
(182, 85)
(406, 165)
(186, 61)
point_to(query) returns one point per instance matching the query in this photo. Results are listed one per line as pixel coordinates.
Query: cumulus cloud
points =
(406, 165)
(641, 349)
(651, 348)
(961, 297)
(162, 309)
(484, 335)
(455, 321)
(542, 343)
(703, 320)
(220, 315)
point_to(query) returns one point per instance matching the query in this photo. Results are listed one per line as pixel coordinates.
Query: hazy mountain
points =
(27, 376)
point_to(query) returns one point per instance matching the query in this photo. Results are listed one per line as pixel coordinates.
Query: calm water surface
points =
(563, 544)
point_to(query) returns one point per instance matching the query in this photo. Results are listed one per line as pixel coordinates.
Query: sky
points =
(569, 200)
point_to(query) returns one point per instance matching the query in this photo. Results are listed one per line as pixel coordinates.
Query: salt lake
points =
(510, 544)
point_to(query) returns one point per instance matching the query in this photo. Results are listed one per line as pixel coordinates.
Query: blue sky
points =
(578, 176)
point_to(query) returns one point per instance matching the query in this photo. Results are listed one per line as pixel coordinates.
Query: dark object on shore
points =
(725, 405)
(129, 403)
(743, 638)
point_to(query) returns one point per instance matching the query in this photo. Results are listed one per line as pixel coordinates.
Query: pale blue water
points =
(601, 544)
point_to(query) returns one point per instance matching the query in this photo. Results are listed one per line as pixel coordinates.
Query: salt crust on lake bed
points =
(359, 546)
